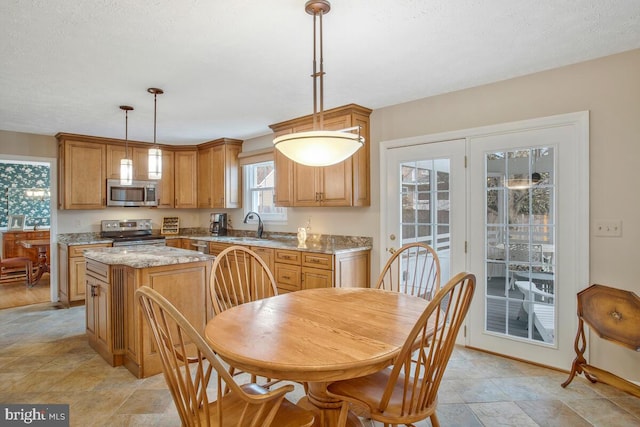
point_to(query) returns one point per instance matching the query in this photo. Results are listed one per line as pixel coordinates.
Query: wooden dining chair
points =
(407, 392)
(238, 276)
(413, 269)
(192, 371)
(14, 267)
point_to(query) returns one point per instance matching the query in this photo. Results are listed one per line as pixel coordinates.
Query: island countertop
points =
(145, 256)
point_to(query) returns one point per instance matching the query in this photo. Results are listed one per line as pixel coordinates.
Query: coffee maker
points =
(218, 224)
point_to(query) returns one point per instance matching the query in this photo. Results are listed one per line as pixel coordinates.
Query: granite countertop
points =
(321, 243)
(145, 256)
(327, 244)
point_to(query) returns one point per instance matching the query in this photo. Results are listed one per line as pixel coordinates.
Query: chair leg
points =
(434, 420)
(344, 414)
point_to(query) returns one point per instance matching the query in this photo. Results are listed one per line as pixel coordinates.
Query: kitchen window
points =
(259, 192)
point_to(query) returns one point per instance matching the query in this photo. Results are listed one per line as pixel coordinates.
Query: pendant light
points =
(126, 164)
(155, 153)
(319, 147)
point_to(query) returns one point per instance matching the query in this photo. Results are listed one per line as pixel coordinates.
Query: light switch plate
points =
(608, 228)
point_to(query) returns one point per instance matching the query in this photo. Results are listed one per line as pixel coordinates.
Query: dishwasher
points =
(201, 246)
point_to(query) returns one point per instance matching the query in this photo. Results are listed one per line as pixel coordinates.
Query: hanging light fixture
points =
(155, 153)
(126, 164)
(319, 147)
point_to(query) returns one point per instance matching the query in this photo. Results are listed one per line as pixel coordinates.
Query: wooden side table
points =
(614, 314)
(42, 245)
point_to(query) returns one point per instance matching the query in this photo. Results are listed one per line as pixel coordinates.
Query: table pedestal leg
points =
(43, 267)
(326, 408)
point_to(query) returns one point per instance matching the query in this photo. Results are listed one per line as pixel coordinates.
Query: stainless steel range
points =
(130, 232)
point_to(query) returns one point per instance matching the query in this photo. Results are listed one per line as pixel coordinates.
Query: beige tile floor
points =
(44, 358)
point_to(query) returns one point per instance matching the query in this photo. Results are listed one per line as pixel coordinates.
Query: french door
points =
(425, 196)
(521, 210)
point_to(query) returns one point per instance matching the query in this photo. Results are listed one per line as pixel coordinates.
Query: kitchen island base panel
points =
(115, 327)
(187, 289)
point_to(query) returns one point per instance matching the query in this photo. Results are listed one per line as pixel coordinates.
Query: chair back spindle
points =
(414, 269)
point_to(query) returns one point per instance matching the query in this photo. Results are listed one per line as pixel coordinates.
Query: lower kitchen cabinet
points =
(71, 273)
(297, 270)
(115, 324)
(99, 314)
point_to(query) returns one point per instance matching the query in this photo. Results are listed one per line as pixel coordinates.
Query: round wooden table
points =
(317, 336)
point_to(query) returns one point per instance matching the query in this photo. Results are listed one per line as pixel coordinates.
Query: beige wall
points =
(27, 144)
(608, 87)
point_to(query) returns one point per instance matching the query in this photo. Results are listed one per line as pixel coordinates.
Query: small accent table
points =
(43, 263)
(613, 314)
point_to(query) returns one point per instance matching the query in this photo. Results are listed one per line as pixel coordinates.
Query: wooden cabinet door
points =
(186, 167)
(335, 181)
(77, 279)
(307, 187)
(91, 309)
(103, 315)
(316, 278)
(284, 179)
(166, 193)
(287, 277)
(83, 172)
(205, 173)
(267, 255)
(232, 177)
(219, 174)
(140, 157)
(114, 154)
(218, 171)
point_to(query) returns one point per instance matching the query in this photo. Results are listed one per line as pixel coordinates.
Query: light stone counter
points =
(321, 243)
(145, 256)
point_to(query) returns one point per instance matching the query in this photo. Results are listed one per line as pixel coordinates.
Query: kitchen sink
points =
(245, 239)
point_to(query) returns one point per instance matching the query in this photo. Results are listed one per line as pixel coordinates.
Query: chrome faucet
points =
(260, 225)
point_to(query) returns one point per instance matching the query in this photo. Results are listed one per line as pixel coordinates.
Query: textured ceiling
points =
(231, 68)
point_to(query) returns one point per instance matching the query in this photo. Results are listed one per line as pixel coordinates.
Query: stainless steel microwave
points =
(139, 193)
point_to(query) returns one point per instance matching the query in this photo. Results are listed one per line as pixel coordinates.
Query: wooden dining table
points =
(316, 336)
(43, 263)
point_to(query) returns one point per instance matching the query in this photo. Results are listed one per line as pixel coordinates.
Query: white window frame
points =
(249, 192)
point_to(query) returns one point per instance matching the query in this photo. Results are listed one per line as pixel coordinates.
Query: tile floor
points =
(44, 358)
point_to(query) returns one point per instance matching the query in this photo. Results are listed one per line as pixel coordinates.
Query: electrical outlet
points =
(608, 228)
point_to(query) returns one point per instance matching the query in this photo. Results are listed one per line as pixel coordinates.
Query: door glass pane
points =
(426, 207)
(519, 243)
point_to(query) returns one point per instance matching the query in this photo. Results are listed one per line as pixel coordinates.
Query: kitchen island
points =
(115, 325)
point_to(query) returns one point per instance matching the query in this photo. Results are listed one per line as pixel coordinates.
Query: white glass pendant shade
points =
(155, 163)
(319, 147)
(155, 154)
(126, 164)
(126, 171)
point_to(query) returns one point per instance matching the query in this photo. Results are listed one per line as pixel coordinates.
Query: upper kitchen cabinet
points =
(81, 173)
(185, 166)
(166, 190)
(344, 184)
(138, 155)
(219, 174)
